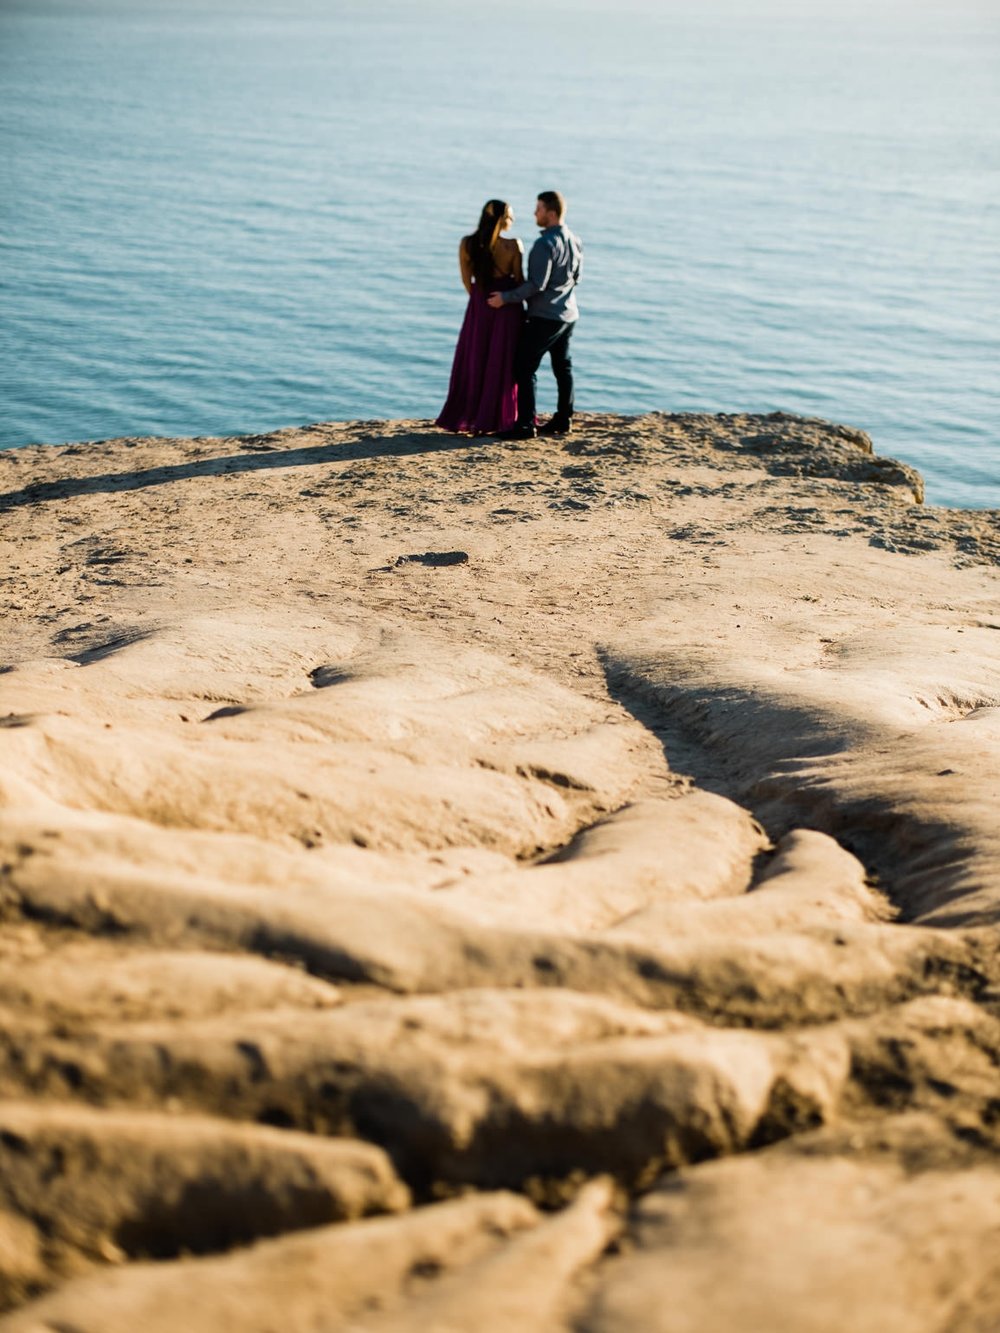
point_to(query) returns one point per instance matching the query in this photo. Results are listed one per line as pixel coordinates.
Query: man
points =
(554, 267)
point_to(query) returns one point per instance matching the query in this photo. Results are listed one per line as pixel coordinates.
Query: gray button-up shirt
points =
(554, 268)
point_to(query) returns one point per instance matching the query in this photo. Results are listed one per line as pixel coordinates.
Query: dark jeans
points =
(539, 336)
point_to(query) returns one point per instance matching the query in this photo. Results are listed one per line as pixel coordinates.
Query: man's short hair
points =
(554, 202)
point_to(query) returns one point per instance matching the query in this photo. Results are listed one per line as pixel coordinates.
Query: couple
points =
(492, 389)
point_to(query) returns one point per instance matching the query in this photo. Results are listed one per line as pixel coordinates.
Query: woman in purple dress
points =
(482, 395)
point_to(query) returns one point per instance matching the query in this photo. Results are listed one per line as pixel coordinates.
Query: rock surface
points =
(450, 884)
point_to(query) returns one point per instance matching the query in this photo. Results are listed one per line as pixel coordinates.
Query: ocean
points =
(222, 217)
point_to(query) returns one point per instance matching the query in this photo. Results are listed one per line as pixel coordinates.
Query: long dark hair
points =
(479, 246)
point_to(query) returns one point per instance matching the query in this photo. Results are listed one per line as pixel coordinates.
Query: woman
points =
(482, 396)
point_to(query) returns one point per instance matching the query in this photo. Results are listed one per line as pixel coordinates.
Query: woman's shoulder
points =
(512, 243)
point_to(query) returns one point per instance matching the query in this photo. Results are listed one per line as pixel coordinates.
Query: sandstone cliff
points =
(544, 886)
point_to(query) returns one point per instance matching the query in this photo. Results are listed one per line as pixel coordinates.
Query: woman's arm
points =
(465, 266)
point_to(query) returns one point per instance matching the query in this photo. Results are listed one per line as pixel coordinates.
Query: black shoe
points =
(517, 433)
(556, 426)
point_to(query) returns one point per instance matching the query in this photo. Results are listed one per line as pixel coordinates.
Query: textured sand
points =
(454, 885)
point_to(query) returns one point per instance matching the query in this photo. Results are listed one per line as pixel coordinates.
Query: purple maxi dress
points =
(482, 395)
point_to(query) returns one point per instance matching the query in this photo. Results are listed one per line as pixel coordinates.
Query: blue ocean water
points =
(221, 215)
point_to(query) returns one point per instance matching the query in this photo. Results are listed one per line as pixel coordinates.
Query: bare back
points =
(508, 261)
